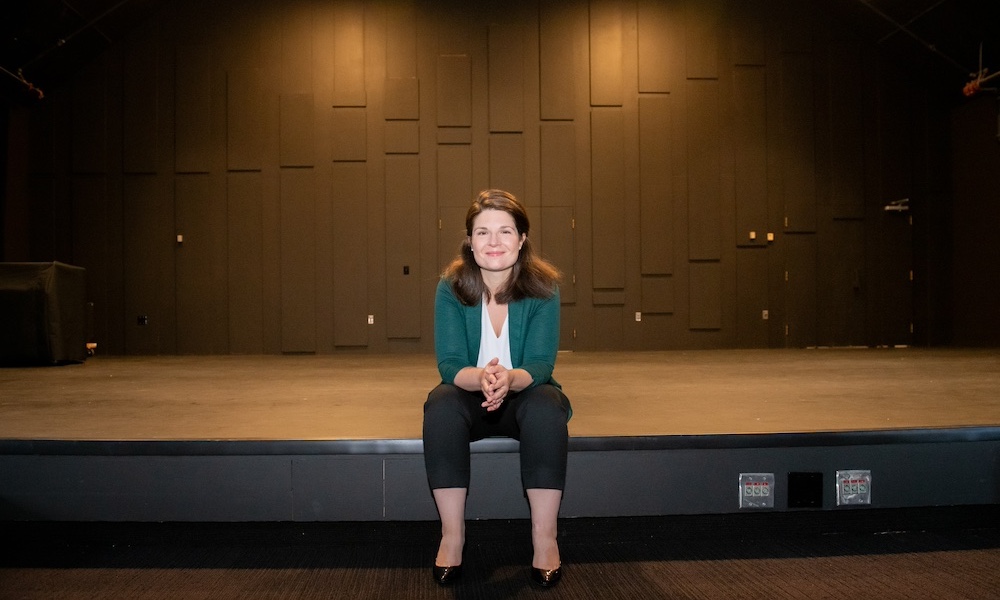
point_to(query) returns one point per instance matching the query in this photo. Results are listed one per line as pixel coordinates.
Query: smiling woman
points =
(496, 334)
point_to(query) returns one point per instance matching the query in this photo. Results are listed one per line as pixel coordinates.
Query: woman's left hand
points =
(496, 391)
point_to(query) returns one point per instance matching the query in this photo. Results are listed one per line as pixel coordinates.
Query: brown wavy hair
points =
(531, 277)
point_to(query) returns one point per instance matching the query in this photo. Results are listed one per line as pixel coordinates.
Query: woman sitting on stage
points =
(496, 334)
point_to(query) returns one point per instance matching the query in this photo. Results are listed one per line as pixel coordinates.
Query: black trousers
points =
(536, 417)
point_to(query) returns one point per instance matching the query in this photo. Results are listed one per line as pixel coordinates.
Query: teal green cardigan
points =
(533, 324)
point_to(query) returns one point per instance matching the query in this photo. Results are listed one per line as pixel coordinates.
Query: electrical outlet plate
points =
(854, 487)
(756, 490)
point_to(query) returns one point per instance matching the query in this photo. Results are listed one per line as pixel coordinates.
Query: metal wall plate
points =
(854, 487)
(756, 490)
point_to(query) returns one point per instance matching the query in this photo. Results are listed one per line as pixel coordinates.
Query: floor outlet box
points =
(854, 487)
(756, 490)
(805, 490)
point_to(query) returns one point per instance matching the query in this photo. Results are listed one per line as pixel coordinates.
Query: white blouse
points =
(490, 344)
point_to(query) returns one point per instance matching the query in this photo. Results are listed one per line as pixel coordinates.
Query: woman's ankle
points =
(450, 550)
(546, 552)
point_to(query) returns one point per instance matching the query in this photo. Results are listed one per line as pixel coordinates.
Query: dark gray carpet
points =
(872, 554)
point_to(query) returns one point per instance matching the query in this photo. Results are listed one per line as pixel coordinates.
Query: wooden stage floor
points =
(377, 397)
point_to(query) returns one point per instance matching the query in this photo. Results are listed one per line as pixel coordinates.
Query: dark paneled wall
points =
(972, 279)
(264, 177)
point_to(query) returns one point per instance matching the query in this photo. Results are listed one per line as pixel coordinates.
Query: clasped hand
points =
(495, 383)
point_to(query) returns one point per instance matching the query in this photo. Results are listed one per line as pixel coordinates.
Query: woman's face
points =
(495, 241)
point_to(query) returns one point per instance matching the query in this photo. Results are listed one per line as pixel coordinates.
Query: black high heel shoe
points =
(446, 575)
(546, 578)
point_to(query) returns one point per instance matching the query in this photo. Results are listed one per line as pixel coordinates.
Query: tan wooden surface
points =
(355, 396)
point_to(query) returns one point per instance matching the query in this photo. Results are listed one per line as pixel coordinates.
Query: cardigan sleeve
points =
(539, 332)
(451, 345)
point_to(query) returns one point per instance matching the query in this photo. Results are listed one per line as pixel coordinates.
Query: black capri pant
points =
(537, 416)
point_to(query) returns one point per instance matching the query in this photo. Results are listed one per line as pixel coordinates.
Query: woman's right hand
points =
(492, 385)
